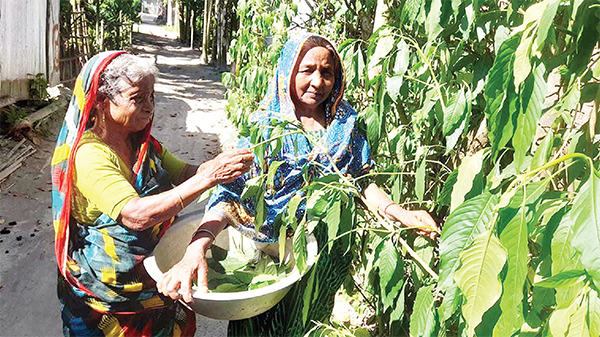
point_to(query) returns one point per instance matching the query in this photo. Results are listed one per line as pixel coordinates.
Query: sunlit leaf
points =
(586, 226)
(477, 277)
(332, 219)
(393, 87)
(462, 226)
(422, 320)
(563, 279)
(432, 25)
(514, 238)
(532, 98)
(384, 46)
(498, 88)
(299, 247)
(564, 258)
(455, 112)
(468, 169)
(391, 272)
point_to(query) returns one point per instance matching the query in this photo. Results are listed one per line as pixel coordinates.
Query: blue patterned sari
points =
(346, 148)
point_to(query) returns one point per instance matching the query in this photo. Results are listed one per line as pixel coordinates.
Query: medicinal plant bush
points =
(485, 114)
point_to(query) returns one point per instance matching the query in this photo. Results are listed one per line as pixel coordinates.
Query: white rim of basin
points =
(311, 249)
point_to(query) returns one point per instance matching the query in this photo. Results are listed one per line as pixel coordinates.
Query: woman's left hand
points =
(418, 218)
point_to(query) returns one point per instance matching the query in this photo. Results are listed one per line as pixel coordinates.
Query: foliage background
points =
(484, 113)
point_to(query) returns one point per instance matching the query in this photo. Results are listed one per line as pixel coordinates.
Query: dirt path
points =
(191, 123)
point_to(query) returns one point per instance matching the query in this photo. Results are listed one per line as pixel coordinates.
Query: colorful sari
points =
(103, 287)
(351, 155)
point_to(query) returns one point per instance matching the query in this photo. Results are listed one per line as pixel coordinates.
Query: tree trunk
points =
(170, 13)
(206, 31)
(192, 23)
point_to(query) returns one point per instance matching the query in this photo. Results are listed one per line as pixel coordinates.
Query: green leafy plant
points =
(486, 115)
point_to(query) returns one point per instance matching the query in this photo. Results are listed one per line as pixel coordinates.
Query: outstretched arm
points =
(418, 218)
(144, 212)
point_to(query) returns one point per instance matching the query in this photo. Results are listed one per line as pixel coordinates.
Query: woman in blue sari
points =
(308, 86)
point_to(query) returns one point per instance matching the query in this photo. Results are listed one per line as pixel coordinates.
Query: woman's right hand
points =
(177, 282)
(226, 166)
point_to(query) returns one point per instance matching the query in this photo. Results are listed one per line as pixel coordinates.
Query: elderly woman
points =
(115, 192)
(308, 85)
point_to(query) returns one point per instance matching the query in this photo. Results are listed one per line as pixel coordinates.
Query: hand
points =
(227, 166)
(177, 282)
(418, 218)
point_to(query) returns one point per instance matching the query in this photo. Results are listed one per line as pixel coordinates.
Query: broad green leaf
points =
(545, 23)
(462, 226)
(373, 124)
(432, 25)
(307, 295)
(332, 219)
(594, 313)
(563, 279)
(299, 247)
(586, 226)
(571, 320)
(424, 250)
(393, 87)
(453, 138)
(402, 58)
(502, 33)
(398, 311)
(564, 258)
(455, 112)
(498, 88)
(587, 39)
(384, 46)
(468, 169)
(347, 221)
(522, 63)
(274, 165)
(391, 272)
(542, 153)
(422, 320)
(253, 187)
(560, 320)
(532, 98)
(411, 9)
(571, 98)
(514, 238)
(446, 195)
(291, 209)
(260, 208)
(477, 277)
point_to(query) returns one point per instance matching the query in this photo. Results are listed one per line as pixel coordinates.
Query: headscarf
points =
(85, 93)
(345, 145)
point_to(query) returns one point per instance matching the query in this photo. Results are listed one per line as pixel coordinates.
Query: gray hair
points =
(122, 73)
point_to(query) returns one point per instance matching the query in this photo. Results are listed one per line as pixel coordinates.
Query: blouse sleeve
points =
(172, 164)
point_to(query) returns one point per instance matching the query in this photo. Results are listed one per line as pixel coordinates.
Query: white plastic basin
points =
(223, 306)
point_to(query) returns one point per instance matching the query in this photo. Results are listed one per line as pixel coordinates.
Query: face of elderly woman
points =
(312, 79)
(134, 107)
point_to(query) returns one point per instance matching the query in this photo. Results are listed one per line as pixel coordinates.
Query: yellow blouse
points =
(101, 180)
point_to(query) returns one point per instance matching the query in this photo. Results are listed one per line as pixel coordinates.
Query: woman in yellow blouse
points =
(115, 192)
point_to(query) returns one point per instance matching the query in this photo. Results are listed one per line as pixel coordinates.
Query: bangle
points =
(204, 230)
(180, 199)
(383, 211)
